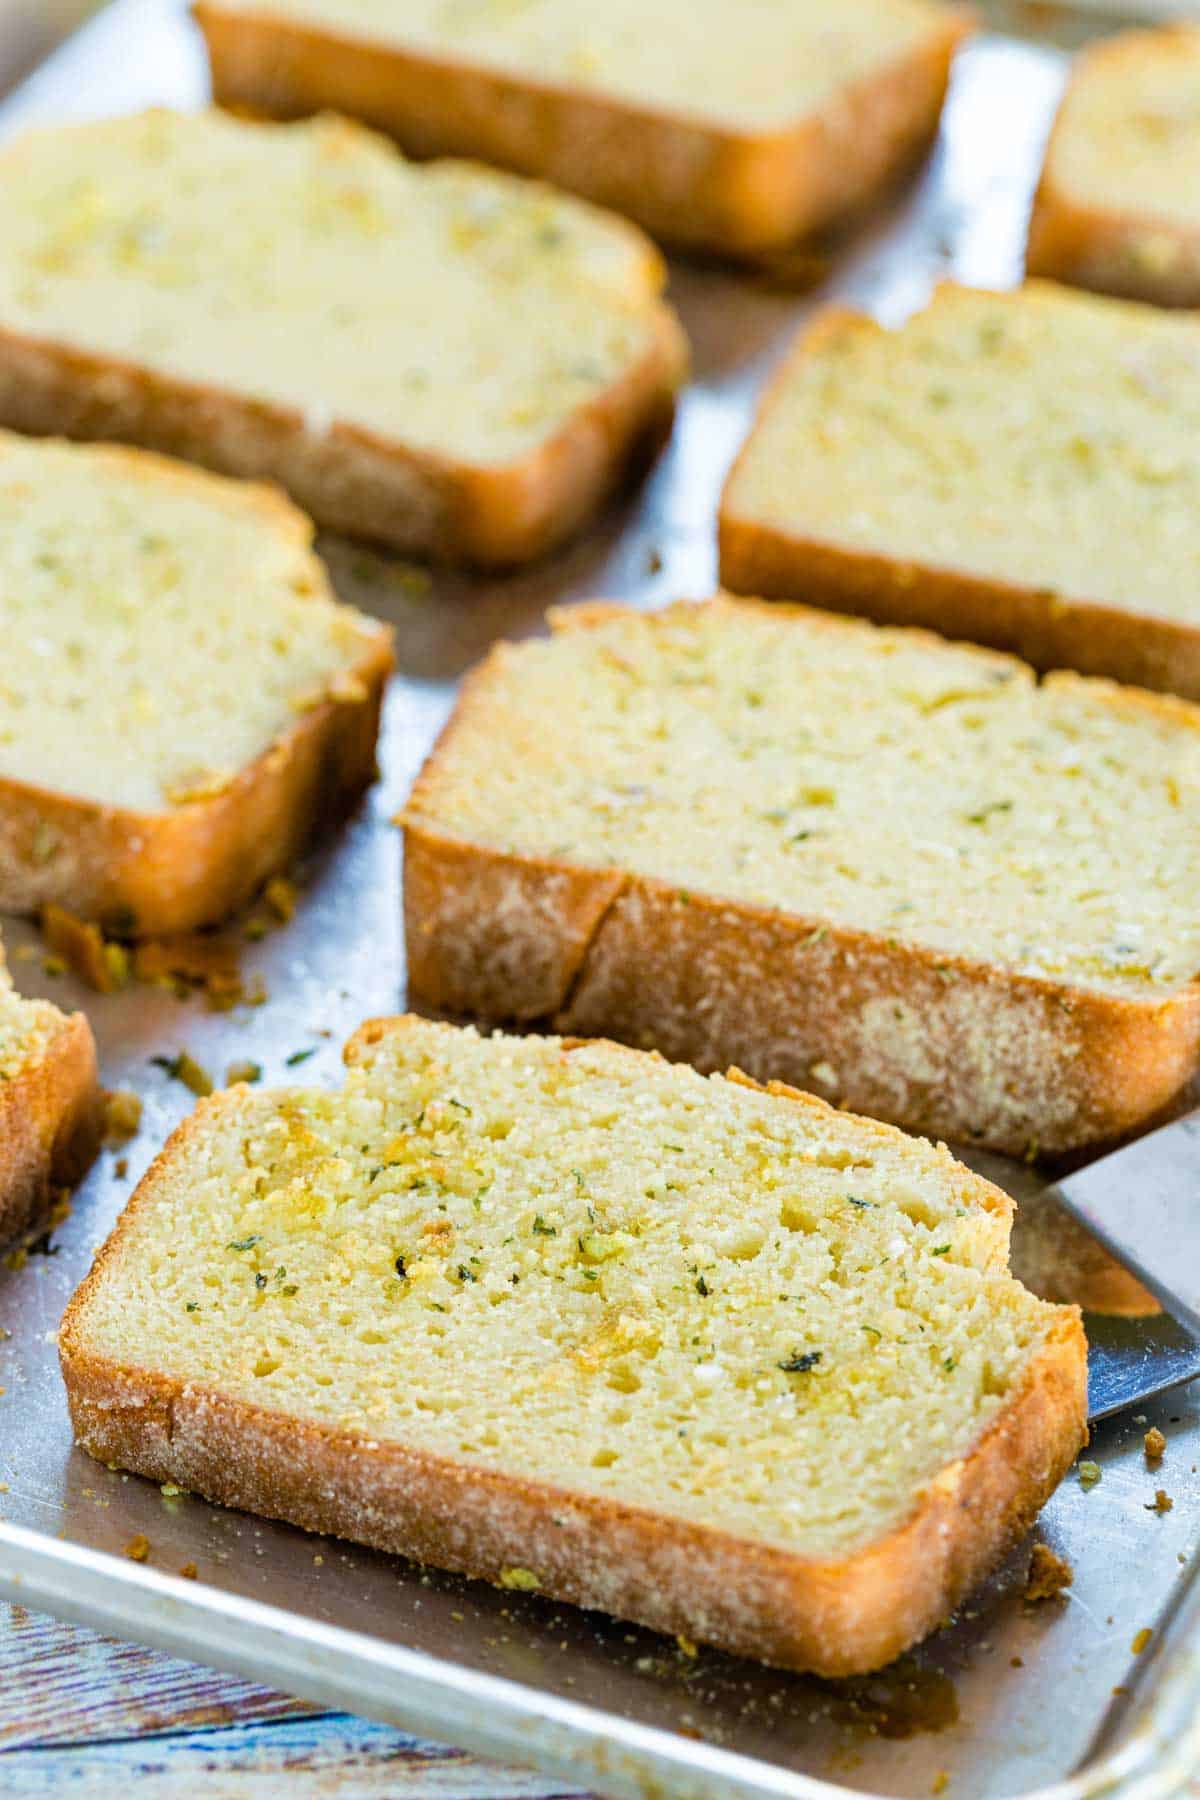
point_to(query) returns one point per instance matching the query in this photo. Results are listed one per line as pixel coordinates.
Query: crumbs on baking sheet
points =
(1049, 1574)
(122, 1116)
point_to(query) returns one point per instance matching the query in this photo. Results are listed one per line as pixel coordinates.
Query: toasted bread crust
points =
(976, 1053)
(345, 477)
(750, 1597)
(687, 179)
(1047, 630)
(51, 1124)
(1105, 251)
(152, 874)
(1136, 256)
(940, 1043)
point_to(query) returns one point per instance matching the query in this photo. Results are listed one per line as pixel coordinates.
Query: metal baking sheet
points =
(1010, 1698)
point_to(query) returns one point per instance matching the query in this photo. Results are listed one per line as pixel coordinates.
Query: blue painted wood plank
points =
(82, 1714)
(61, 1684)
(336, 1755)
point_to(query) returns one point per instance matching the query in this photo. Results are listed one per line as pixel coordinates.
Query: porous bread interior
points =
(27, 1027)
(1041, 437)
(750, 64)
(585, 1266)
(1128, 136)
(161, 627)
(883, 780)
(444, 307)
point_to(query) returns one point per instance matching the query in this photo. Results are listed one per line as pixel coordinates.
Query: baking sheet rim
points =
(498, 1717)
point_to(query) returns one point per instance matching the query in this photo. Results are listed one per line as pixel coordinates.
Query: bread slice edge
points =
(1110, 249)
(346, 477)
(1132, 256)
(1008, 1061)
(51, 1125)
(688, 179)
(752, 1597)
(1047, 630)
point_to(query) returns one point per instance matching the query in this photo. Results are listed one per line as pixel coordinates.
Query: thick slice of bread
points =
(51, 1107)
(896, 868)
(714, 1358)
(739, 125)
(1118, 205)
(1021, 469)
(449, 360)
(181, 698)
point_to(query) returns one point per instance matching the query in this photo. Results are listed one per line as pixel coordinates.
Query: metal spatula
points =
(1143, 1204)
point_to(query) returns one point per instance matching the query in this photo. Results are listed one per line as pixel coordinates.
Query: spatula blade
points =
(1132, 1361)
(1143, 1203)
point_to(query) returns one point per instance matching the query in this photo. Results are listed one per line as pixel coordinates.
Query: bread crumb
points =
(84, 950)
(138, 1548)
(184, 1067)
(1089, 1474)
(1048, 1574)
(243, 1070)
(1155, 1444)
(1162, 1502)
(191, 961)
(686, 1646)
(941, 1782)
(1141, 1640)
(122, 1116)
(523, 1580)
(189, 1571)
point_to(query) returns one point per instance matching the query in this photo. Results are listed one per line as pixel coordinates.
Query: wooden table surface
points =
(83, 1715)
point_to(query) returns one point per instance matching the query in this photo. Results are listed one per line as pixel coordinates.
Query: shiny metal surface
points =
(1142, 1203)
(1007, 1700)
(1134, 1361)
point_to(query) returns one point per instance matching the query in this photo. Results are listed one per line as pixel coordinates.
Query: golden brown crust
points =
(1136, 256)
(515, 927)
(151, 874)
(51, 1123)
(685, 178)
(347, 478)
(940, 1043)
(835, 1617)
(1111, 252)
(1048, 630)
